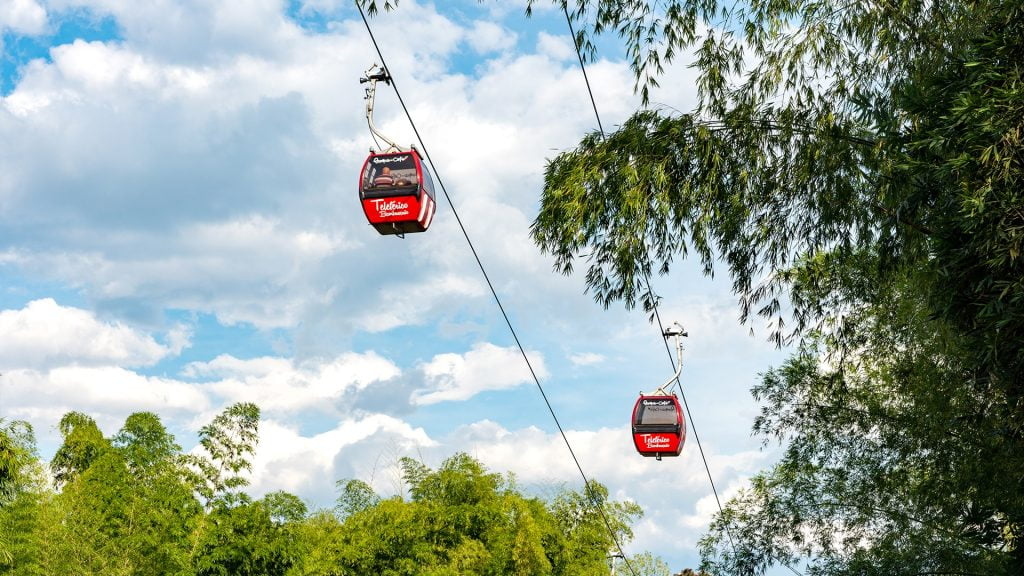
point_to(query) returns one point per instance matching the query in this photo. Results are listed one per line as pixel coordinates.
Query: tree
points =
(858, 164)
(160, 503)
(129, 505)
(284, 508)
(125, 505)
(23, 495)
(319, 548)
(146, 445)
(356, 496)
(462, 519)
(83, 444)
(229, 441)
(244, 538)
(18, 459)
(647, 564)
(586, 519)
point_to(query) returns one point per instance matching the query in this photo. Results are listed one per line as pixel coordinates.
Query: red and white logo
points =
(656, 441)
(390, 208)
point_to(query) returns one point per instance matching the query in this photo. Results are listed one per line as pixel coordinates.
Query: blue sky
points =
(180, 230)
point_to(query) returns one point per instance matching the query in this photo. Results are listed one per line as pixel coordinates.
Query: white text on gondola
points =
(386, 208)
(655, 441)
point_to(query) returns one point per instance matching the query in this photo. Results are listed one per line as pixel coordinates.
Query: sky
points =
(180, 230)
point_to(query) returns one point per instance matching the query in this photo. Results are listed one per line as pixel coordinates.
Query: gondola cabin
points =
(396, 192)
(658, 426)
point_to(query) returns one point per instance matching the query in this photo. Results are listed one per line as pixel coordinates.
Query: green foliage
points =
(129, 511)
(22, 495)
(145, 444)
(229, 442)
(244, 540)
(462, 519)
(356, 496)
(284, 508)
(798, 146)
(527, 552)
(127, 505)
(371, 6)
(319, 546)
(647, 564)
(130, 508)
(17, 452)
(83, 443)
(870, 483)
(587, 519)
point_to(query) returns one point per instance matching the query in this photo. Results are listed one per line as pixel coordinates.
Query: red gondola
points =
(397, 192)
(658, 426)
(395, 188)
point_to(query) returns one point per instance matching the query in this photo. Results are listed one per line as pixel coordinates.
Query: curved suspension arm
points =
(675, 330)
(371, 92)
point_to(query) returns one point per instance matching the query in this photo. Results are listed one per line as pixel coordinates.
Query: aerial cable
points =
(583, 68)
(654, 306)
(490, 285)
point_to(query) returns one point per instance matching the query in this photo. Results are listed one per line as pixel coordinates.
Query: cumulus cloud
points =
(154, 147)
(279, 385)
(542, 457)
(44, 335)
(403, 304)
(105, 391)
(22, 16)
(365, 448)
(489, 37)
(452, 377)
(222, 182)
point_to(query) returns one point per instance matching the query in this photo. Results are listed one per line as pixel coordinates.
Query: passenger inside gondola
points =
(397, 174)
(384, 179)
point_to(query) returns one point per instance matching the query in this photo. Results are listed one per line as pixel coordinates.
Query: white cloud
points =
(97, 66)
(559, 47)
(410, 304)
(606, 454)
(101, 391)
(278, 385)
(44, 335)
(224, 183)
(586, 359)
(22, 16)
(287, 460)
(453, 377)
(208, 267)
(489, 37)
